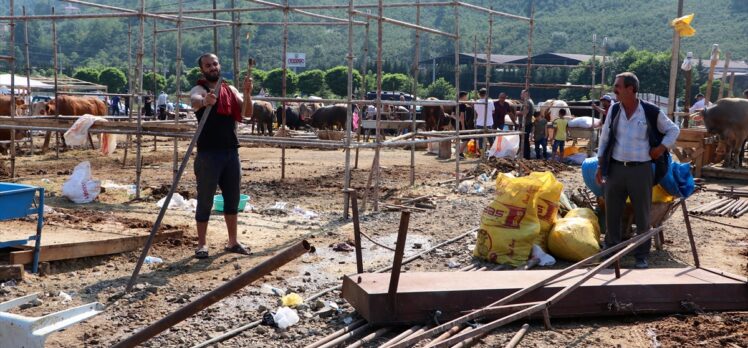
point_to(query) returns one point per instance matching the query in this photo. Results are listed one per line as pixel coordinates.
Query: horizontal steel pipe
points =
(217, 294)
(405, 24)
(496, 13)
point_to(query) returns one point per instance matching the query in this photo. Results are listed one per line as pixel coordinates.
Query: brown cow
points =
(5, 111)
(729, 119)
(435, 116)
(68, 105)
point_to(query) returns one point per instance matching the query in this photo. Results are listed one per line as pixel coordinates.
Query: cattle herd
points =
(727, 118)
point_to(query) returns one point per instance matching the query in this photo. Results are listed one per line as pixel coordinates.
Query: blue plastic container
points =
(218, 202)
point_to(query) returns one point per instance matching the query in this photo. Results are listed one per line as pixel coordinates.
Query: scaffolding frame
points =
(136, 89)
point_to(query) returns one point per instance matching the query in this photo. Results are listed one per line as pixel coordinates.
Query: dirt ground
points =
(313, 183)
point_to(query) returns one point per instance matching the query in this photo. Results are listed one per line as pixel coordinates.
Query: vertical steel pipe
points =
(217, 294)
(12, 65)
(397, 263)
(283, 85)
(414, 90)
(458, 145)
(356, 230)
(139, 90)
(691, 240)
(349, 113)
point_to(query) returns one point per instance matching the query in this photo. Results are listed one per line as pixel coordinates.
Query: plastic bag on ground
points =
(586, 213)
(285, 317)
(546, 204)
(292, 300)
(178, 202)
(504, 146)
(544, 258)
(509, 225)
(80, 188)
(573, 239)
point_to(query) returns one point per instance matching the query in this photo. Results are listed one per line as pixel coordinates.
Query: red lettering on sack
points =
(547, 210)
(514, 217)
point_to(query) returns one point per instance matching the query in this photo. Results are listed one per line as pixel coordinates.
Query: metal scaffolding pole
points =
(155, 81)
(457, 94)
(56, 67)
(364, 87)
(178, 79)
(139, 91)
(377, 151)
(12, 66)
(349, 115)
(215, 32)
(484, 153)
(129, 90)
(528, 75)
(235, 46)
(283, 84)
(416, 58)
(28, 73)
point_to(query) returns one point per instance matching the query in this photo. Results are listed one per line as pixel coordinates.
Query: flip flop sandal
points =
(201, 253)
(238, 249)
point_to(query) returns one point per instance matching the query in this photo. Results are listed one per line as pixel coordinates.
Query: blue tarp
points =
(677, 182)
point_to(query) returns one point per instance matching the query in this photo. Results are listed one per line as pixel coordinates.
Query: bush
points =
(114, 79)
(337, 80)
(312, 82)
(87, 74)
(441, 89)
(395, 82)
(273, 82)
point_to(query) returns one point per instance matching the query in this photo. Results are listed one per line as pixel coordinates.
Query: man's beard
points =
(213, 77)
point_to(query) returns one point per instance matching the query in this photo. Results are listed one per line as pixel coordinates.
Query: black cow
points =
(293, 120)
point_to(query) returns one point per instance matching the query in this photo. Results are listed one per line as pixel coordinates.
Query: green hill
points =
(562, 26)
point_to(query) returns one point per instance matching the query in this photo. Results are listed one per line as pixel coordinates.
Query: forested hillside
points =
(562, 26)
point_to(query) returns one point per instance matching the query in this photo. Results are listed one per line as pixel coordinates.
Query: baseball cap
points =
(482, 90)
(606, 97)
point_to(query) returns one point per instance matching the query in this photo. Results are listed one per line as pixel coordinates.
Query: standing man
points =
(163, 98)
(483, 115)
(501, 109)
(525, 113)
(217, 159)
(115, 105)
(700, 103)
(605, 102)
(635, 134)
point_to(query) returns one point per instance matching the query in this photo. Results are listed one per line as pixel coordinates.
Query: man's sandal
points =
(202, 253)
(238, 249)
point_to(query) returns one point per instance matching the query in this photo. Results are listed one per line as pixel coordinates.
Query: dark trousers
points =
(217, 168)
(526, 145)
(540, 148)
(622, 182)
(558, 145)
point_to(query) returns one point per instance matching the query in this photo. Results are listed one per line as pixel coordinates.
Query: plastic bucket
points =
(218, 202)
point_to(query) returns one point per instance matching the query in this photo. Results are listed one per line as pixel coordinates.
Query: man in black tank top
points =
(217, 161)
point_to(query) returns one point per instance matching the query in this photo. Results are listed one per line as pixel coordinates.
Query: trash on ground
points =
(178, 202)
(80, 188)
(343, 247)
(64, 297)
(285, 317)
(307, 214)
(153, 260)
(292, 300)
(576, 237)
(268, 289)
(544, 259)
(279, 208)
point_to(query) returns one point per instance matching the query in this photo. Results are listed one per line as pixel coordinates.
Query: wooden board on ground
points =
(111, 243)
(719, 172)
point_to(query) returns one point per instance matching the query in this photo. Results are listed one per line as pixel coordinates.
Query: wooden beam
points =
(724, 173)
(87, 249)
(8, 272)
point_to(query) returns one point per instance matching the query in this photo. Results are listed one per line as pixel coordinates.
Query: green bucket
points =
(218, 202)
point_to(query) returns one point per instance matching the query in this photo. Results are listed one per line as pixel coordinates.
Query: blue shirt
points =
(632, 142)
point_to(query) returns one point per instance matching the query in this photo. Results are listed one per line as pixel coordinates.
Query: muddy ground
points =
(314, 181)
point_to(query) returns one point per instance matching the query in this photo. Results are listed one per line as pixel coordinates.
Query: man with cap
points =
(700, 103)
(483, 114)
(605, 102)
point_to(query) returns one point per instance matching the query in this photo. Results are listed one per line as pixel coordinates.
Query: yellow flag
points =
(683, 25)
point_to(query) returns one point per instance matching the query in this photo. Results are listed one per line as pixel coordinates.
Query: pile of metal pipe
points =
(727, 206)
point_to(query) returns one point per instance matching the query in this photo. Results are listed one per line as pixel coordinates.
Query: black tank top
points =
(219, 132)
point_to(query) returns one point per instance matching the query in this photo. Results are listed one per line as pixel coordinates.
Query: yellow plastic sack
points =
(546, 204)
(659, 195)
(573, 239)
(586, 213)
(509, 225)
(291, 300)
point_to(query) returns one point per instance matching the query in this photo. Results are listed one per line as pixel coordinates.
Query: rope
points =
(375, 242)
(717, 222)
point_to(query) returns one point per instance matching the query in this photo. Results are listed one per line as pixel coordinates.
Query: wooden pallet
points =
(719, 172)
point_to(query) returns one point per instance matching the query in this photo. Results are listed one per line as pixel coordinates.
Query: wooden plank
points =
(87, 249)
(8, 272)
(724, 173)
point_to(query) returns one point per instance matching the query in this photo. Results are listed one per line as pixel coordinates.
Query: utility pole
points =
(671, 104)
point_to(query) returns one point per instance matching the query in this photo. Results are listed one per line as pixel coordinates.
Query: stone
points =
(326, 312)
